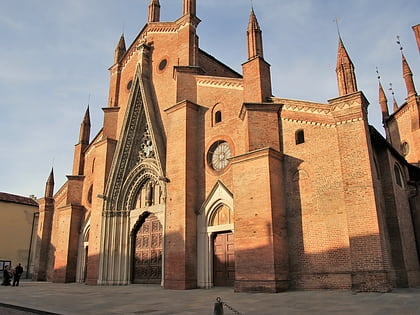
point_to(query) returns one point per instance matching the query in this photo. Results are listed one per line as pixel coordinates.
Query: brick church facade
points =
(200, 177)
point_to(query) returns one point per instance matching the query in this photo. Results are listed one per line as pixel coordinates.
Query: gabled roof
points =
(5, 197)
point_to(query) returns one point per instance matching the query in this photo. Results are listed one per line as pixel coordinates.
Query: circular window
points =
(162, 64)
(219, 155)
(129, 84)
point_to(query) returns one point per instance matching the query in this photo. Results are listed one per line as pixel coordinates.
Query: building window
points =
(218, 117)
(219, 154)
(405, 148)
(89, 195)
(299, 136)
(129, 84)
(162, 64)
(399, 178)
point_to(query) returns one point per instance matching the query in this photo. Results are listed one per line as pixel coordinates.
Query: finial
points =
(338, 28)
(391, 89)
(88, 99)
(399, 43)
(377, 72)
(252, 5)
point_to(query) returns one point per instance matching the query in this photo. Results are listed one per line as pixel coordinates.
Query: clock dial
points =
(219, 155)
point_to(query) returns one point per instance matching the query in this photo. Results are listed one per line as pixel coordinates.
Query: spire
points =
(85, 128)
(394, 101)
(49, 186)
(408, 77)
(120, 50)
(407, 74)
(382, 100)
(154, 11)
(345, 71)
(189, 7)
(256, 71)
(395, 104)
(416, 29)
(254, 35)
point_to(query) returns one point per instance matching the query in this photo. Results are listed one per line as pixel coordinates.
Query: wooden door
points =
(148, 252)
(223, 259)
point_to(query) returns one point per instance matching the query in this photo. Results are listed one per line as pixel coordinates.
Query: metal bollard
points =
(218, 307)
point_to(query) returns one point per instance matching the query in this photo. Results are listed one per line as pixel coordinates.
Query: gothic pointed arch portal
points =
(215, 225)
(136, 182)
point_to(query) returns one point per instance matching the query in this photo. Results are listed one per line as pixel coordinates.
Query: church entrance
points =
(223, 259)
(148, 252)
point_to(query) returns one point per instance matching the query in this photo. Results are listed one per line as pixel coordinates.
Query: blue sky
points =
(54, 56)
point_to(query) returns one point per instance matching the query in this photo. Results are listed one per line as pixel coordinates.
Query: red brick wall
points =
(261, 255)
(183, 192)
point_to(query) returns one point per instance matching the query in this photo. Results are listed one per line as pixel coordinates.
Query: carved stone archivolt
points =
(143, 187)
(136, 160)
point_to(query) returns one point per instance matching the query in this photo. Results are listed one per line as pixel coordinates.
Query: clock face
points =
(219, 155)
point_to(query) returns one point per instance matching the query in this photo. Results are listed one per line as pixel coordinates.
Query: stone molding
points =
(224, 83)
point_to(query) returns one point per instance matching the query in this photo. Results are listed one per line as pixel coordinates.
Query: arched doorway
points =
(215, 248)
(147, 255)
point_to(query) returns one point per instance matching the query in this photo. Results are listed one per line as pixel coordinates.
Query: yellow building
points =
(18, 219)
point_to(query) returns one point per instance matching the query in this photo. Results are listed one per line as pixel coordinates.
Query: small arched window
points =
(299, 136)
(89, 195)
(399, 178)
(217, 117)
(93, 165)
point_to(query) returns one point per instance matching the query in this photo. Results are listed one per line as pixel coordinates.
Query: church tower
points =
(154, 11)
(383, 102)
(345, 71)
(416, 29)
(45, 222)
(79, 150)
(256, 71)
(188, 39)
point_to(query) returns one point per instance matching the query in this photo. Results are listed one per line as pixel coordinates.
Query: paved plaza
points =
(73, 298)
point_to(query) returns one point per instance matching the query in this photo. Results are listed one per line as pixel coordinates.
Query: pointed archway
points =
(139, 158)
(83, 253)
(215, 221)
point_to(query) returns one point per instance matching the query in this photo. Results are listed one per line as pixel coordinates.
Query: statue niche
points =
(150, 194)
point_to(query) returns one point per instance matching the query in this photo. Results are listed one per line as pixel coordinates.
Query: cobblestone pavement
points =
(81, 299)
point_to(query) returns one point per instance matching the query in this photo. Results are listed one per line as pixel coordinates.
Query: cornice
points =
(322, 124)
(220, 82)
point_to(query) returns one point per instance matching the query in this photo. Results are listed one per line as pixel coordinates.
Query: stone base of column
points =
(371, 281)
(262, 286)
(180, 285)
